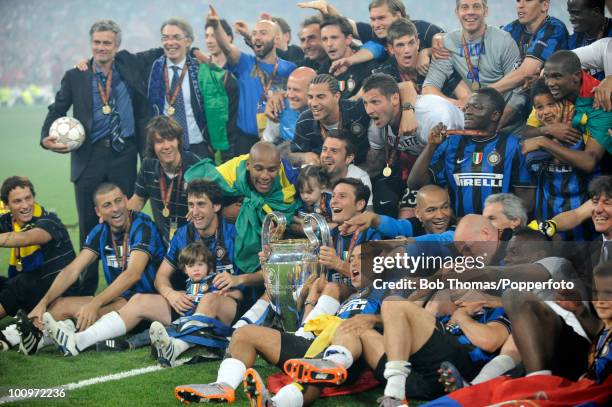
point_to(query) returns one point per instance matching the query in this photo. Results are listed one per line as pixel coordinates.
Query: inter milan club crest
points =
(220, 253)
(350, 84)
(493, 158)
(477, 158)
(356, 129)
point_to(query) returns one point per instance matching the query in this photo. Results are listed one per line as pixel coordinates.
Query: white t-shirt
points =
(429, 110)
(356, 172)
(597, 55)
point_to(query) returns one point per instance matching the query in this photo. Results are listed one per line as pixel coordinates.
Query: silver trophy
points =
(289, 263)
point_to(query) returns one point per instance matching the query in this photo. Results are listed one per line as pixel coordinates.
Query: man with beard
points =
(337, 37)
(381, 99)
(161, 178)
(337, 156)
(130, 249)
(40, 247)
(473, 166)
(588, 17)
(257, 75)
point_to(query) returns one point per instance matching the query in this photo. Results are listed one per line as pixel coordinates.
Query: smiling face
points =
(175, 43)
(529, 11)
(434, 211)
(343, 203)
(581, 16)
(471, 14)
(560, 83)
(601, 214)
(297, 92)
(380, 19)
(334, 157)
(335, 43)
(263, 37)
(104, 46)
(112, 207)
(263, 170)
(166, 151)
(310, 41)
(321, 101)
(547, 109)
(203, 213)
(21, 204)
(406, 51)
(382, 110)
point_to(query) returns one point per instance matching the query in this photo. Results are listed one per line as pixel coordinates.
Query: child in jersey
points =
(313, 185)
(600, 360)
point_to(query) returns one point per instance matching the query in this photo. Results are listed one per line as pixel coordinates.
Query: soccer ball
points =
(68, 131)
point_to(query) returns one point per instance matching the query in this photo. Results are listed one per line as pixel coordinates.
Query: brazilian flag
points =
(594, 122)
(232, 178)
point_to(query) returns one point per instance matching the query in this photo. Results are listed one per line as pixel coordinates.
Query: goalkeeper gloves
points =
(547, 227)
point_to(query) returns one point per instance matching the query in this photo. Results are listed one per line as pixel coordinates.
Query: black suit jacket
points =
(76, 91)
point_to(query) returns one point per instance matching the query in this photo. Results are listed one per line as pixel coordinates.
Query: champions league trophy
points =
(289, 263)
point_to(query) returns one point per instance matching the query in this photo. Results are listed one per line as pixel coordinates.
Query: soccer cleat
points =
(451, 378)
(63, 337)
(113, 345)
(4, 343)
(205, 393)
(166, 356)
(315, 371)
(255, 389)
(386, 401)
(30, 335)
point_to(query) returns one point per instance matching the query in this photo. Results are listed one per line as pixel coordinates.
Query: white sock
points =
(496, 367)
(180, 346)
(12, 335)
(289, 396)
(325, 305)
(340, 355)
(231, 372)
(396, 372)
(255, 315)
(109, 326)
(539, 373)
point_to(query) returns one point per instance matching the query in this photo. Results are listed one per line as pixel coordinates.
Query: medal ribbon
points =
(262, 79)
(390, 155)
(171, 98)
(325, 132)
(468, 60)
(167, 193)
(124, 245)
(352, 244)
(104, 93)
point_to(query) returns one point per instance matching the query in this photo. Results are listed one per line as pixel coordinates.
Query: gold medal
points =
(106, 109)
(19, 265)
(171, 110)
(475, 86)
(165, 212)
(387, 171)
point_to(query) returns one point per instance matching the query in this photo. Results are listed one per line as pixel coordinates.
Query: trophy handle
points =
(268, 237)
(321, 226)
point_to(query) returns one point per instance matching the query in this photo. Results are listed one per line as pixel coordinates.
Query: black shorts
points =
(295, 347)
(25, 290)
(571, 354)
(422, 382)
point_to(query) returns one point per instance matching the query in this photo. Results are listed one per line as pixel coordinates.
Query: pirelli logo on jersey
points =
(478, 179)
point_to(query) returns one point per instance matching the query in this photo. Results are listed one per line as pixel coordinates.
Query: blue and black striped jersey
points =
(143, 235)
(365, 301)
(472, 169)
(549, 38)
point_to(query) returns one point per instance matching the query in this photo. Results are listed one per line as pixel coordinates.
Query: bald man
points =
(257, 76)
(284, 108)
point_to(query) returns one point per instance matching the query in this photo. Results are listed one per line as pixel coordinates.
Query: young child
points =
(196, 260)
(313, 185)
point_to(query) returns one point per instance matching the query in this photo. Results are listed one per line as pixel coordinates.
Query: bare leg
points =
(151, 307)
(218, 306)
(250, 340)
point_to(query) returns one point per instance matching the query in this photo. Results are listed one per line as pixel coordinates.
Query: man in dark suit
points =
(109, 99)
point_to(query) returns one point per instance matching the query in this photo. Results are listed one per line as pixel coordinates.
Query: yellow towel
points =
(26, 250)
(324, 327)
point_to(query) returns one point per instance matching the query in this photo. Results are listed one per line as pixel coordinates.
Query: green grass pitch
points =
(22, 155)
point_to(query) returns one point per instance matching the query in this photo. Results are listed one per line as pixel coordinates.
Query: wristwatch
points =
(407, 106)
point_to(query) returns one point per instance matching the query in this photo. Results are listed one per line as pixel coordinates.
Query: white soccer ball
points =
(68, 131)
